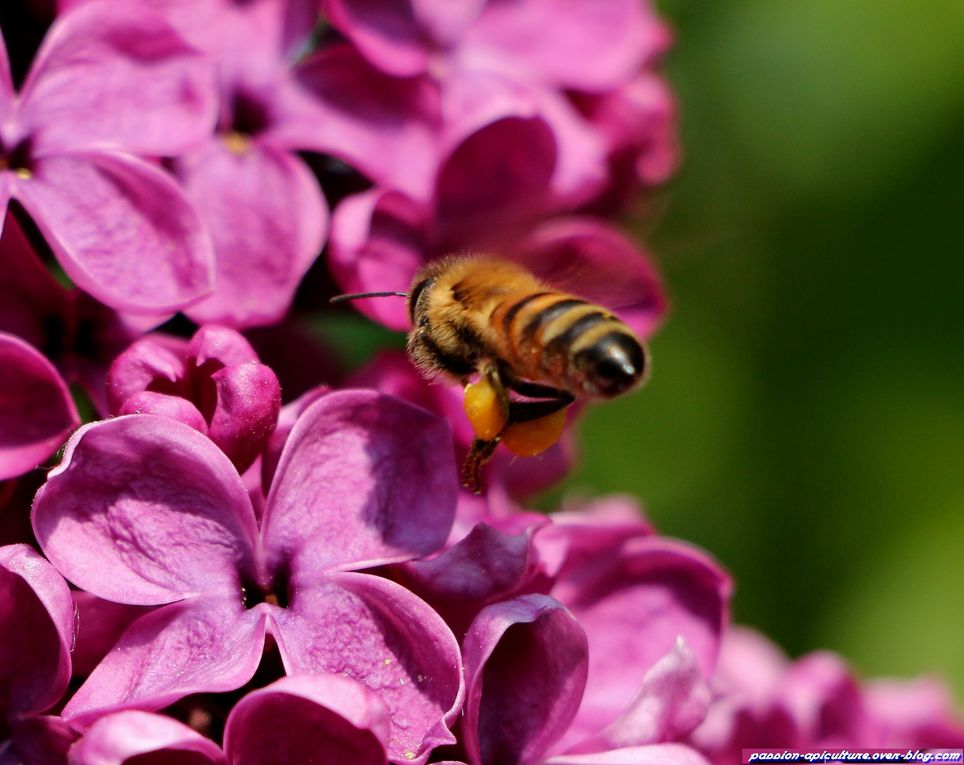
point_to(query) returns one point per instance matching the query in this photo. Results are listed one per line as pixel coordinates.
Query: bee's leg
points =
(494, 376)
(480, 453)
(551, 399)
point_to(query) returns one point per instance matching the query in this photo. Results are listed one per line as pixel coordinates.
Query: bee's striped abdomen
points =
(565, 340)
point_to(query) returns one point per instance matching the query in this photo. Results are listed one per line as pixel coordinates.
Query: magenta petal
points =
(36, 408)
(594, 45)
(671, 702)
(917, 713)
(387, 33)
(223, 346)
(119, 737)
(375, 631)
(155, 362)
(596, 261)
(36, 632)
(43, 740)
(377, 244)
(486, 565)
(825, 701)
(634, 602)
(249, 400)
(145, 510)
(200, 645)
(163, 405)
(296, 718)
(118, 75)
(364, 479)
(121, 228)
(525, 666)
(659, 754)
(268, 220)
(99, 624)
(6, 83)
(385, 127)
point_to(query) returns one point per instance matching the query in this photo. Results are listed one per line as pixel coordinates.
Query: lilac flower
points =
(79, 335)
(214, 383)
(106, 85)
(507, 66)
(526, 667)
(261, 203)
(36, 409)
(762, 699)
(291, 720)
(36, 629)
(145, 510)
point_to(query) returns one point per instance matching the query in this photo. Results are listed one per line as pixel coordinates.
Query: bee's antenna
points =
(356, 295)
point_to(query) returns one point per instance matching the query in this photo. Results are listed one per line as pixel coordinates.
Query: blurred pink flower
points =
(107, 86)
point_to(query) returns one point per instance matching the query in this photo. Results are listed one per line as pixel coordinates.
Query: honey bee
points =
(480, 315)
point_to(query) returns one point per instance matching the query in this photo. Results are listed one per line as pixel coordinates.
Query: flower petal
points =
(634, 601)
(119, 737)
(594, 260)
(121, 228)
(115, 74)
(594, 45)
(378, 243)
(387, 128)
(43, 740)
(199, 645)
(375, 631)
(36, 408)
(249, 399)
(525, 666)
(7, 95)
(268, 220)
(99, 624)
(364, 479)
(387, 33)
(671, 702)
(296, 718)
(155, 363)
(36, 632)
(162, 405)
(145, 510)
(486, 565)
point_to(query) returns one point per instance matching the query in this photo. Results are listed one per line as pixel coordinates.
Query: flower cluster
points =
(208, 573)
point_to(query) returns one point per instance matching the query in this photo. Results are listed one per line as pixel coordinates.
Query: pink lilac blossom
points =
(292, 720)
(145, 510)
(36, 632)
(36, 408)
(762, 699)
(107, 87)
(214, 383)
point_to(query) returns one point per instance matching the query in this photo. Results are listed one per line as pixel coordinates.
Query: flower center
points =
(276, 594)
(17, 159)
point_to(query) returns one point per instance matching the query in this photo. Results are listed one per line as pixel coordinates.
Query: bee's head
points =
(612, 365)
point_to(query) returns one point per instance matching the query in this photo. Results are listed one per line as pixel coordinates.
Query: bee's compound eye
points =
(614, 364)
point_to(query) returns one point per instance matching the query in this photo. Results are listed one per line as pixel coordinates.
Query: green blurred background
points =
(805, 418)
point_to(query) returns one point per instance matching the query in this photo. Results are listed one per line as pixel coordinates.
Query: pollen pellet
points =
(482, 408)
(530, 438)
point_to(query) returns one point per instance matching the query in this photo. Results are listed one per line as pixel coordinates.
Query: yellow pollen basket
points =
(528, 439)
(482, 408)
(488, 419)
